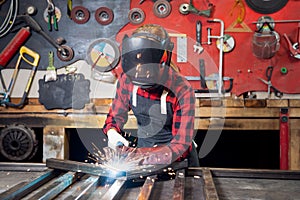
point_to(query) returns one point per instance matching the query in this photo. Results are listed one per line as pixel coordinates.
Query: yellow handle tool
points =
(36, 57)
(32, 58)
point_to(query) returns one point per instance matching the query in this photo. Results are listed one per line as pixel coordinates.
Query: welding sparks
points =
(126, 159)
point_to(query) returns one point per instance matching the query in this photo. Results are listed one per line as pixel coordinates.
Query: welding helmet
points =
(143, 56)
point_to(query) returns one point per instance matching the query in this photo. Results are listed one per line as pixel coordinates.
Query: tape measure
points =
(103, 54)
(228, 43)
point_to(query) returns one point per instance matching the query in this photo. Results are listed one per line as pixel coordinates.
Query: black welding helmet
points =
(143, 55)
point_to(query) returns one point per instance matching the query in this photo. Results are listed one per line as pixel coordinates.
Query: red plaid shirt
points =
(183, 104)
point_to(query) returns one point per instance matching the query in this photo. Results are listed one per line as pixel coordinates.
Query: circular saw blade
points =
(266, 7)
(103, 54)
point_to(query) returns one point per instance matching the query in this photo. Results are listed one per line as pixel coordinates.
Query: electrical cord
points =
(10, 18)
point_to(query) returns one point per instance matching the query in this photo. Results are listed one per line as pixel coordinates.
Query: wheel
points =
(80, 14)
(66, 53)
(18, 142)
(104, 15)
(161, 8)
(136, 16)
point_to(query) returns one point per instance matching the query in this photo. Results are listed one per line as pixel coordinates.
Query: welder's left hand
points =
(148, 155)
(157, 156)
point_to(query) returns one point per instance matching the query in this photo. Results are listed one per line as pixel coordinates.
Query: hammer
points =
(197, 47)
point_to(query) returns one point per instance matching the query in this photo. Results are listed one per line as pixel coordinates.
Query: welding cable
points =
(10, 18)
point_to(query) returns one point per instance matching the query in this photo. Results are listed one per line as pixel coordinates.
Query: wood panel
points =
(211, 114)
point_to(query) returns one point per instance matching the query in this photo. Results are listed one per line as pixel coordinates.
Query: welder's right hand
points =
(115, 139)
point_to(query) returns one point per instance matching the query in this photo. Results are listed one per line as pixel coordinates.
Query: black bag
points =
(68, 91)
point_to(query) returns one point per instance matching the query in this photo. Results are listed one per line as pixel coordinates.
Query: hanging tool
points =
(14, 45)
(266, 7)
(228, 43)
(294, 48)
(104, 15)
(80, 14)
(187, 8)
(241, 16)
(202, 73)
(51, 70)
(213, 78)
(9, 19)
(6, 95)
(52, 19)
(197, 47)
(221, 43)
(161, 8)
(238, 25)
(64, 52)
(136, 16)
(269, 72)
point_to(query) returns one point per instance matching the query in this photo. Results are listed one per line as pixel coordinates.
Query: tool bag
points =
(68, 91)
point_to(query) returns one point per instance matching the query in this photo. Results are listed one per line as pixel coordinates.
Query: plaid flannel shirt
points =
(183, 103)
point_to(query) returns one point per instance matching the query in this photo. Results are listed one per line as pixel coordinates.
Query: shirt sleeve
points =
(183, 122)
(118, 112)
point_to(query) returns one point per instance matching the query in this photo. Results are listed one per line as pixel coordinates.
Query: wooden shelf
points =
(225, 114)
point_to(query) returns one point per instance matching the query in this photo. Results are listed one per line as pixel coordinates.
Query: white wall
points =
(99, 89)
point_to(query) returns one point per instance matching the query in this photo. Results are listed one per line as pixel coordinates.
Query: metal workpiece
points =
(147, 187)
(186, 183)
(210, 189)
(88, 168)
(179, 184)
(95, 169)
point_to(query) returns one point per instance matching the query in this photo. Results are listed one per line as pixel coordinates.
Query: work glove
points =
(155, 155)
(116, 139)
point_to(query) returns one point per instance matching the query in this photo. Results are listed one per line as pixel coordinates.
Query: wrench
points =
(197, 47)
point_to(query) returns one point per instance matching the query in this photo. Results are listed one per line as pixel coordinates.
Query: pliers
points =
(52, 19)
(269, 72)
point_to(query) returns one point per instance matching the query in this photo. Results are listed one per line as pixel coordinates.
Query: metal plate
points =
(182, 49)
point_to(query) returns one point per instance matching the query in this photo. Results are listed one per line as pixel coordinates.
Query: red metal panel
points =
(240, 64)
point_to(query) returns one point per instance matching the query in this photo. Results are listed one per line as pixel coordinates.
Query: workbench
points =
(32, 181)
(214, 114)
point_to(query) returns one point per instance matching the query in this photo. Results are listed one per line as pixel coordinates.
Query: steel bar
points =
(24, 188)
(281, 21)
(56, 187)
(248, 173)
(179, 185)
(26, 167)
(84, 190)
(93, 169)
(103, 187)
(115, 190)
(147, 188)
(87, 168)
(209, 186)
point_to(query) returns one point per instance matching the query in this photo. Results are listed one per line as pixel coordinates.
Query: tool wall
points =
(256, 35)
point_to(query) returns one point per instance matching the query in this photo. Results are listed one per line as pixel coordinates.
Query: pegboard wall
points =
(240, 63)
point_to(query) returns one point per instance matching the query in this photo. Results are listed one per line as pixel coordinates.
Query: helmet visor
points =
(141, 60)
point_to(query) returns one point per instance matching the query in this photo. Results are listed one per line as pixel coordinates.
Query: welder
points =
(161, 99)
